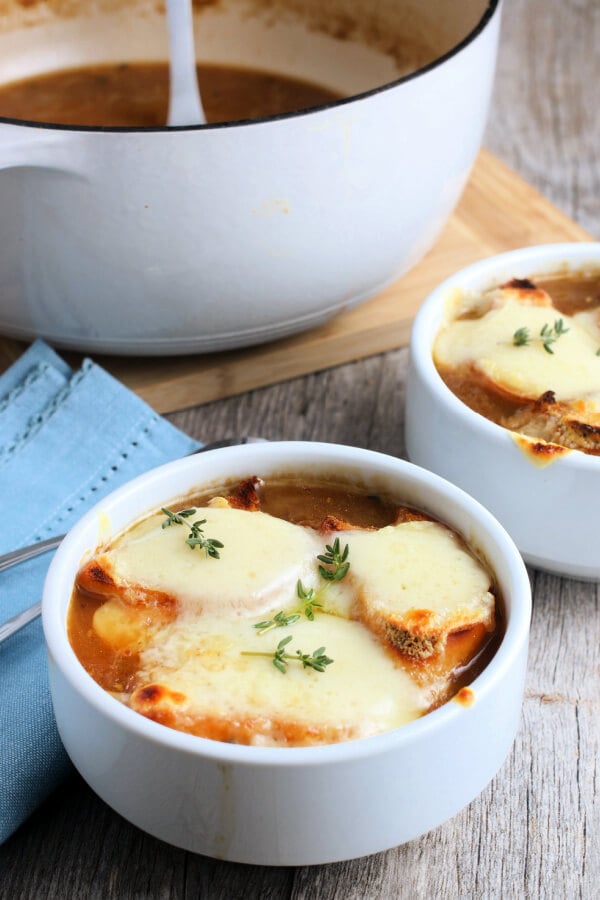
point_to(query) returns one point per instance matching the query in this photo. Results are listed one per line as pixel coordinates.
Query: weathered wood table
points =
(535, 831)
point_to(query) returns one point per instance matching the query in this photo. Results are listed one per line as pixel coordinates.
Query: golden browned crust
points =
(406, 514)
(411, 645)
(160, 704)
(96, 578)
(526, 292)
(333, 523)
(418, 634)
(403, 514)
(557, 422)
(245, 495)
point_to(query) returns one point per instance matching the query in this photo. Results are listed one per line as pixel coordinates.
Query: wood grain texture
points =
(534, 832)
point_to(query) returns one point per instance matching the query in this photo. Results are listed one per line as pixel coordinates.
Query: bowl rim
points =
(429, 316)
(54, 607)
(492, 7)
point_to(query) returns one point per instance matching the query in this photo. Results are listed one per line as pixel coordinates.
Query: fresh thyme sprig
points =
(281, 620)
(309, 598)
(521, 337)
(176, 518)
(334, 558)
(196, 536)
(316, 660)
(549, 334)
(334, 567)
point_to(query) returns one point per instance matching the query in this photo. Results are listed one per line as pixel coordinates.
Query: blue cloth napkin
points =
(66, 439)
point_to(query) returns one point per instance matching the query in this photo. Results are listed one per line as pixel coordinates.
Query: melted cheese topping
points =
(261, 561)
(363, 692)
(571, 371)
(205, 668)
(397, 581)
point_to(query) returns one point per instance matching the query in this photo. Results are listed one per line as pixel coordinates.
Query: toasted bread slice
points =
(417, 583)
(259, 562)
(568, 424)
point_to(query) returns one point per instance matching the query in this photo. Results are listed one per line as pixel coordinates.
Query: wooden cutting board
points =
(498, 211)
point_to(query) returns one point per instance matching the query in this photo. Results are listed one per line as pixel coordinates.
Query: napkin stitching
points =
(100, 480)
(36, 422)
(134, 439)
(32, 376)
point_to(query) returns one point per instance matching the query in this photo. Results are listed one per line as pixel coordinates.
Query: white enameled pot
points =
(164, 241)
(298, 806)
(550, 512)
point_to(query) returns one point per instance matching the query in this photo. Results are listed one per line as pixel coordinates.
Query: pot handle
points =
(30, 146)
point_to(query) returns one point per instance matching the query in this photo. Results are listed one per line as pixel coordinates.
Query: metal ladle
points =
(185, 104)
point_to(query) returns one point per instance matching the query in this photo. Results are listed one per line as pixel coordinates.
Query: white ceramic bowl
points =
(552, 512)
(166, 241)
(297, 806)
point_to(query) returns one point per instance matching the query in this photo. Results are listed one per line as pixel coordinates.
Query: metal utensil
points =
(23, 618)
(185, 105)
(19, 621)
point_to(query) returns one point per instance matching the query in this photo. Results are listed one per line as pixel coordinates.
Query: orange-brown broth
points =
(136, 94)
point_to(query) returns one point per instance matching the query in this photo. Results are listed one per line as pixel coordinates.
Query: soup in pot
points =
(136, 95)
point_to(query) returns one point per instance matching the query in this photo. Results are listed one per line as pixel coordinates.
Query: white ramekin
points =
(297, 806)
(550, 512)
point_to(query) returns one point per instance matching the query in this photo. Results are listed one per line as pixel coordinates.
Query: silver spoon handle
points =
(17, 622)
(23, 553)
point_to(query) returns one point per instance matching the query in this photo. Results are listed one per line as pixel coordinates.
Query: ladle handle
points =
(185, 106)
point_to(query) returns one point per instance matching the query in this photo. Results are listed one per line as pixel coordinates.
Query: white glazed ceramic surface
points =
(551, 513)
(161, 241)
(296, 806)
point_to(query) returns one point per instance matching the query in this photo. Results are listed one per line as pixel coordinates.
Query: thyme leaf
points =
(549, 334)
(316, 660)
(196, 537)
(309, 600)
(176, 518)
(336, 559)
(521, 337)
(281, 620)
(280, 654)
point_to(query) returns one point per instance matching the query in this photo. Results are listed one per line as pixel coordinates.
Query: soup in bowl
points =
(503, 396)
(264, 626)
